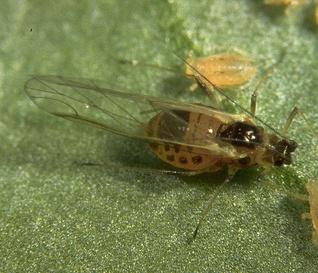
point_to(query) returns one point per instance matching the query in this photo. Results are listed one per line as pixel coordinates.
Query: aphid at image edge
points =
(284, 2)
(312, 189)
(316, 13)
(224, 70)
(192, 137)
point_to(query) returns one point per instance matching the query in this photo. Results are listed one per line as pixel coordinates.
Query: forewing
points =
(119, 112)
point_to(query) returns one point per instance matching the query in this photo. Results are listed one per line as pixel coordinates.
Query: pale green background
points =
(58, 216)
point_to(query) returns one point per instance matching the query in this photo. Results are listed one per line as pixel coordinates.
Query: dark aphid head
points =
(282, 152)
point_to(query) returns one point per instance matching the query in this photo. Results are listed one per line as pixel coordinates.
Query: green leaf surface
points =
(59, 216)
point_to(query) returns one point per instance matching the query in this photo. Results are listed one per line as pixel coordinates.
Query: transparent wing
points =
(119, 112)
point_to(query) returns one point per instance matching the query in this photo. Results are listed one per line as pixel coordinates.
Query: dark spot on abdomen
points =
(176, 148)
(170, 158)
(196, 159)
(183, 160)
(154, 146)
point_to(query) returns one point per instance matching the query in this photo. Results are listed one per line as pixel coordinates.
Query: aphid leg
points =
(253, 102)
(143, 169)
(182, 173)
(289, 120)
(267, 74)
(190, 173)
(209, 91)
(214, 97)
(256, 91)
(292, 115)
(212, 198)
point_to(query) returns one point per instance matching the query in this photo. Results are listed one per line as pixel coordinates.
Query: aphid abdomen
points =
(181, 157)
(224, 70)
(189, 127)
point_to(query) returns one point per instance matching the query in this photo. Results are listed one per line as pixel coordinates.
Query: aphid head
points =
(282, 151)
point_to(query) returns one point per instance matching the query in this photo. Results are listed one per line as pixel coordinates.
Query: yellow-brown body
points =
(185, 135)
(199, 126)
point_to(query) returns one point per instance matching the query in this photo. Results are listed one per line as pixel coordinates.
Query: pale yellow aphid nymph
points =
(224, 70)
